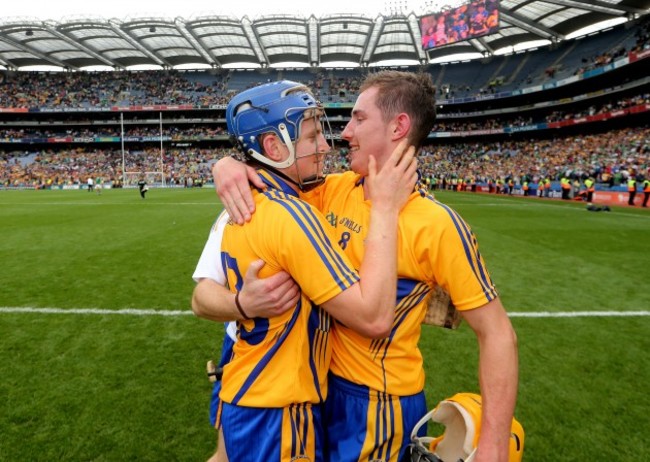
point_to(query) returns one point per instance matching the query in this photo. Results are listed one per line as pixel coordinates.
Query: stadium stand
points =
(575, 109)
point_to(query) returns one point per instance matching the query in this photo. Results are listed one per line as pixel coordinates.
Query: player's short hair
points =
(411, 92)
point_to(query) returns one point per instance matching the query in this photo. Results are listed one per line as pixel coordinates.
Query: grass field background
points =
(109, 387)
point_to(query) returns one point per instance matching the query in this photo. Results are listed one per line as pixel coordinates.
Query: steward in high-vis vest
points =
(540, 187)
(646, 192)
(565, 183)
(631, 190)
(590, 184)
(500, 186)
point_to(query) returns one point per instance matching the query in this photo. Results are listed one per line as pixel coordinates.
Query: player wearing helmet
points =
(276, 111)
(376, 387)
(276, 379)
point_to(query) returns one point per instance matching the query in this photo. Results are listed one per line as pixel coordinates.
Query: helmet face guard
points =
(279, 108)
(461, 416)
(418, 453)
(320, 124)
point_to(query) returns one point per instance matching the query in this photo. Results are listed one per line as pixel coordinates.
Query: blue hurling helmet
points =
(277, 107)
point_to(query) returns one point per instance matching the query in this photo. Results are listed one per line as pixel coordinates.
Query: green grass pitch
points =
(107, 387)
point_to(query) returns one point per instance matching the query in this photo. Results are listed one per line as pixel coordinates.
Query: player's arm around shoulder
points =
(232, 180)
(498, 377)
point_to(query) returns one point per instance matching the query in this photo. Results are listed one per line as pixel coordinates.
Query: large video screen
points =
(474, 19)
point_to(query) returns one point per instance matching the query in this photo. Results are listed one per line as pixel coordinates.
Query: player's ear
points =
(401, 126)
(273, 147)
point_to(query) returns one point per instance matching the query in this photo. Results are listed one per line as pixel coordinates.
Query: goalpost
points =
(140, 162)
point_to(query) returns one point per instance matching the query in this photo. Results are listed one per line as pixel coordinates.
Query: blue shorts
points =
(226, 354)
(364, 424)
(293, 433)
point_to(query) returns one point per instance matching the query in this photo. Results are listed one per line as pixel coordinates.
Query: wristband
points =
(241, 310)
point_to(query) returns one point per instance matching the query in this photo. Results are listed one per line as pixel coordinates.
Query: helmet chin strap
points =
(307, 184)
(303, 185)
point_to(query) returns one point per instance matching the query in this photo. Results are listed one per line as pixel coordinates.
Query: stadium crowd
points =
(642, 36)
(517, 120)
(175, 132)
(608, 157)
(105, 89)
(73, 167)
(178, 130)
(170, 87)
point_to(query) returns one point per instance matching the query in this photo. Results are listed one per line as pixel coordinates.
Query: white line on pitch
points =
(152, 312)
(127, 311)
(575, 314)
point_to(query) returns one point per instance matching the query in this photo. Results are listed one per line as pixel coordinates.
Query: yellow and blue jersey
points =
(435, 248)
(283, 360)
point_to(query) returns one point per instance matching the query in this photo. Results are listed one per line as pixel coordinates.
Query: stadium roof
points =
(276, 40)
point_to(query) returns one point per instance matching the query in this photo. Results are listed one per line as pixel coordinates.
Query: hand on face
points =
(391, 186)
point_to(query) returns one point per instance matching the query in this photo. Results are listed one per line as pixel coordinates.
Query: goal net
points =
(154, 179)
(145, 163)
